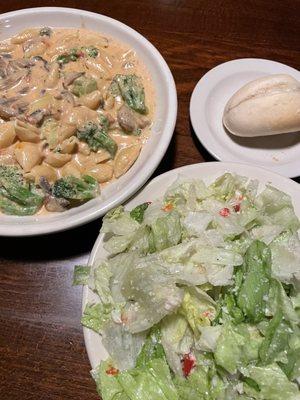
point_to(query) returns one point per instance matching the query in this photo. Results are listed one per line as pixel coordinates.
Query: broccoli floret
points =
(46, 31)
(84, 85)
(17, 197)
(73, 55)
(132, 91)
(91, 51)
(96, 137)
(76, 190)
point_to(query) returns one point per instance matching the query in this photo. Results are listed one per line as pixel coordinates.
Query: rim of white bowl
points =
(35, 225)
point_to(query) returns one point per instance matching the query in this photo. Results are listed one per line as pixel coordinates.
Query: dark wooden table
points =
(42, 353)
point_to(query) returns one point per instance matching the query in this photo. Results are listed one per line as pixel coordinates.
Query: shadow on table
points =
(59, 245)
(70, 243)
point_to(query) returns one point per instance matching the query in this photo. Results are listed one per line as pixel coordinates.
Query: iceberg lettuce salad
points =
(199, 296)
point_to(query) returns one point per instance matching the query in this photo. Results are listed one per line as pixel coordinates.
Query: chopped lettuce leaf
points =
(95, 316)
(276, 339)
(122, 346)
(151, 349)
(273, 383)
(102, 276)
(166, 230)
(81, 275)
(256, 282)
(176, 339)
(138, 212)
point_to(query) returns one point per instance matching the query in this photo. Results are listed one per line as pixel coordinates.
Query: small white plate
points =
(279, 153)
(206, 171)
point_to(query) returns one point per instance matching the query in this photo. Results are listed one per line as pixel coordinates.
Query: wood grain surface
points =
(42, 353)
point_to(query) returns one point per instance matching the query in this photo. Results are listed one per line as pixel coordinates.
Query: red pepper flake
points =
(80, 54)
(207, 314)
(188, 363)
(168, 207)
(112, 371)
(237, 207)
(224, 212)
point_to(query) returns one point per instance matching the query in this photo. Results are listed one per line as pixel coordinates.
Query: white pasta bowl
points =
(153, 151)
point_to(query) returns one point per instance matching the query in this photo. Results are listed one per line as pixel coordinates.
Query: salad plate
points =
(271, 192)
(278, 153)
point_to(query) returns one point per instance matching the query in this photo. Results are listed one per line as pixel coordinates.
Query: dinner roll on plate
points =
(265, 106)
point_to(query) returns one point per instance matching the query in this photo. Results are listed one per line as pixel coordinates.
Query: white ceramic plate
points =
(155, 148)
(206, 171)
(279, 153)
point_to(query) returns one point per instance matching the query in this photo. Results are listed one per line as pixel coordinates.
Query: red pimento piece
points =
(207, 314)
(224, 212)
(188, 363)
(168, 207)
(112, 371)
(237, 207)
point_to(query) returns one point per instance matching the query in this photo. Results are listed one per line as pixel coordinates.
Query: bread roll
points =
(266, 106)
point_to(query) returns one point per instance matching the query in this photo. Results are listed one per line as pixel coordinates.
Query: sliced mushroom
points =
(27, 132)
(45, 62)
(8, 101)
(24, 90)
(7, 112)
(3, 67)
(127, 119)
(34, 47)
(68, 96)
(19, 63)
(37, 116)
(125, 159)
(71, 77)
(12, 79)
(130, 121)
(45, 185)
(55, 204)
